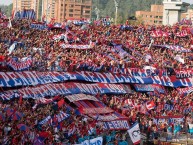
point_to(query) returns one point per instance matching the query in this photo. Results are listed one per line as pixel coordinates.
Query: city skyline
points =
(7, 2)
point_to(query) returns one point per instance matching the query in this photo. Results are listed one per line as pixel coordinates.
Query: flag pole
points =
(46, 11)
(116, 11)
(42, 9)
(16, 5)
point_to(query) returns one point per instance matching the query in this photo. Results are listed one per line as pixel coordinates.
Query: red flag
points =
(44, 134)
(150, 105)
(60, 103)
(20, 100)
(55, 120)
(81, 110)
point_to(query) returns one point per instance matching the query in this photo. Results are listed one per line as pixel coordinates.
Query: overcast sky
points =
(7, 2)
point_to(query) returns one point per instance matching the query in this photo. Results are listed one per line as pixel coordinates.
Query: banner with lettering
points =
(101, 110)
(159, 33)
(60, 117)
(142, 72)
(149, 88)
(107, 117)
(31, 78)
(75, 46)
(185, 73)
(172, 47)
(77, 97)
(65, 89)
(168, 119)
(116, 125)
(38, 26)
(20, 65)
(185, 91)
(188, 73)
(177, 48)
(182, 109)
(94, 141)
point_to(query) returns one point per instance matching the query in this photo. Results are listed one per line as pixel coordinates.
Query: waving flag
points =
(62, 116)
(71, 129)
(45, 120)
(182, 33)
(11, 48)
(159, 33)
(134, 133)
(9, 24)
(150, 105)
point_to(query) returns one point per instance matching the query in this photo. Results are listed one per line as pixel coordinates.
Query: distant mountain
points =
(126, 9)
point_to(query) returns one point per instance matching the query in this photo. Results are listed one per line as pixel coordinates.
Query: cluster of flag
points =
(186, 22)
(24, 14)
(182, 33)
(159, 33)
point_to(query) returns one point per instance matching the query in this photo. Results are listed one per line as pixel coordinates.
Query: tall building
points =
(49, 9)
(76, 9)
(36, 5)
(173, 10)
(58, 9)
(22, 4)
(153, 17)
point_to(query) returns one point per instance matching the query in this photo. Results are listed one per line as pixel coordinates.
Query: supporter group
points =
(80, 82)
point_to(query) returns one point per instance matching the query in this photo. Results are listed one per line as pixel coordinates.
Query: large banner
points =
(101, 110)
(149, 88)
(65, 89)
(168, 119)
(38, 26)
(20, 66)
(75, 46)
(78, 97)
(60, 117)
(172, 47)
(107, 117)
(32, 78)
(182, 109)
(185, 91)
(141, 72)
(25, 14)
(116, 125)
(184, 73)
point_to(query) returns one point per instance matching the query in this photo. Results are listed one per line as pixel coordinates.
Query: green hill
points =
(126, 9)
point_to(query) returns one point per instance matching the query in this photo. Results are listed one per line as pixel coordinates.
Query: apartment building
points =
(58, 9)
(48, 9)
(72, 9)
(36, 5)
(153, 17)
(22, 4)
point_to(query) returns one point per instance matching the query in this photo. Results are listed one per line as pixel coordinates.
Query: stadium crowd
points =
(112, 49)
(48, 54)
